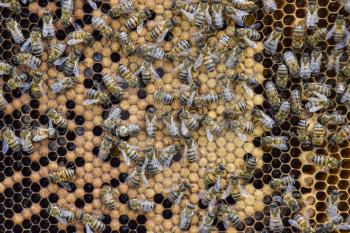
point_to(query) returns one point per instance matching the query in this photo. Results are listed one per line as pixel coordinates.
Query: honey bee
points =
(300, 222)
(10, 140)
(298, 35)
(281, 76)
(163, 97)
(62, 85)
(302, 131)
(97, 96)
(128, 130)
(333, 202)
(190, 152)
(241, 128)
(249, 34)
(170, 124)
(142, 205)
(151, 120)
(247, 82)
(263, 118)
(234, 189)
(305, 68)
(272, 41)
(153, 166)
(80, 36)
(15, 31)
(125, 42)
(62, 177)
(239, 16)
(105, 147)
(283, 182)
(311, 15)
(272, 94)
(18, 80)
(318, 103)
(338, 31)
(148, 73)
(212, 128)
(112, 86)
(34, 43)
(283, 112)
(214, 174)
(269, 6)
(162, 28)
(55, 53)
(185, 70)
(326, 162)
(126, 74)
(246, 5)
(175, 196)
(279, 142)
(205, 56)
(137, 176)
(345, 4)
(276, 224)
(201, 15)
(67, 7)
(180, 49)
(188, 93)
(207, 221)
(186, 216)
(6, 68)
(137, 21)
(91, 223)
(3, 101)
(124, 7)
(221, 47)
(93, 3)
(26, 141)
(334, 118)
(317, 37)
(128, 151)
(341, 135)
(217, 12)
(319, 134)
(334, 60)
(110, 122)
(40, 133)
(231, 218)
(205, 99)
(48, 27)
(225, 86)
(336, 223)
(71, 66)
(321, 88)
(250, 165)
(28, 60)
(62, 215)
(295, 102)
(292, 63)
(107, 196)
(99, 24)
(150, 52)
(209, 197)
(187, 121)
(57, 118)
(36, 88)
(167, 154)
(316, 58)
(233, 59)
(289, 198)
(13, 5)
(345, 96)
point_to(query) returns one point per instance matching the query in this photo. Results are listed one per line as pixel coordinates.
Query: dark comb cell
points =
(123, 198)
(115, 57)
(124, 115)
(141, 93)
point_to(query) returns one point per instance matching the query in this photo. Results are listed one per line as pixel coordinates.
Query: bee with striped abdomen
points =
(272, 41)
(3, 101)
(167, 154)
(334, 118)
(276, 224)
(55, 53)
(63, 177)
(126, 74)
(6, 68)
(112, 86)
(10, 140)
(298, 35)
(334, 60)
(234, 189)
(41, 133)
(226, 88)
(311, 15)
(80, 36)
(128, 151)
(142, 205)
(214, 174)
(110, 122)
(341, 135)
(18, 80)
(71, 66)
(345, 95)
(283, 112)
(201, 15)
(163, 97)
(150, 52)
(217, 14)
(295, 101)
(48, 27)
(91, 223)
(188, 92)
(137, 21)
(162, 28)
(212, 128)
(99, 24)
(62, 215)
(281, 183)
(137, 176)
(269, 6)
(35, 87)
(272, 94)
(221, 47)
(150, 121)
(125, 42)
(316, 60)
(153, 166)
(171, 125)
(292, 63)
(105, 147)
(124, 7)
(240, 17)
(97, 97)
(318, 36)
(186, 216)
(281, 78)
(185, 70)
(26, 140)
(248, 82)
(188, 121)
(250, 165)
(209, 197)
(107, 196)
(13, 5)
(300, 222)
(279, 142)
(234, 56)
(205, 99)
(148, 73)
(180, 49)
(321, 88)
(318, 103)
(176, 195)
(28, 60)
(57, 118)
(302, 133)
(207, 221)
(67, 7)
(63, 85)
(205, 56)
(305, 68)
(230, 216)
(263, 118)
(241, 128)
(326, 162)
(289, 198)
(190, 152)
(249, 35)
(338, 31)
(15, 31)
(246, 5)
(128, 130)
(34, 43)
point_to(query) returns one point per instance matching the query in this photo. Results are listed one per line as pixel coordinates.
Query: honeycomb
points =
(26, 192)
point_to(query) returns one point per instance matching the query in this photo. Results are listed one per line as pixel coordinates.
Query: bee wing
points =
(341, 44)
(74, 41)
(198, 61)
(243, 191)
(61, 220)
(60, 61)
(88, 229)
(178, 199)
(25, 86)
(145, 181)
(25, 46)
(248, 90)
(184, 129)
(4, 5)
(250, 42)
(212, 203)
(321, 96)
(293, 223)
(139, 71)
(185, 151)
(66, 186)
(190, 16)
(90, 101)
(92, 4)
(156, 75)
(76, 69)
(139, 28)
(226, 222)
(330, 32)
(125, 157)
(161, 37)
(241, 135)
(344, 227)
(5, 146)
(208, 17)
(332, 210)
(281, 146)
(209, 135)
(38, 138)
(189, 74)
(227, 192)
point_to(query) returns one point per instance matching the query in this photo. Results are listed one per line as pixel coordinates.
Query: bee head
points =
(173, 22)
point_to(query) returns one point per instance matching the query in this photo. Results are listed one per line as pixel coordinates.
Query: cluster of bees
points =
(210, 18)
